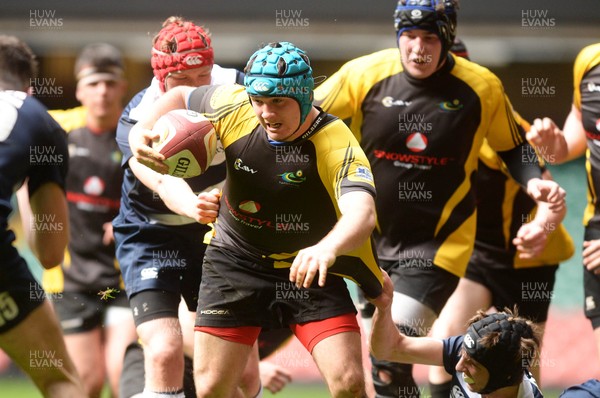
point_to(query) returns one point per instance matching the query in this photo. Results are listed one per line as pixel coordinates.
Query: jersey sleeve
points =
(51, 161)
(227, 107)
(126, 122)
(70, 119)
(452, 348)
(587, 58)
(348, 167)
(336, 95)
(504, 132)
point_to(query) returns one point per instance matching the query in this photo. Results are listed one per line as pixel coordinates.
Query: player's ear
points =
(78, 93)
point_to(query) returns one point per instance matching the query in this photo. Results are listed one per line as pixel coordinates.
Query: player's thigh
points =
(85, 349)
(37, 344)
(219, 362)
(462, 305)
(339, 357)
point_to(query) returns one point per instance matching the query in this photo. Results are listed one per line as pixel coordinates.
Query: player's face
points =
(192, 77)
(475, 375)
(420, 52)
(103, 98)
(279, 116)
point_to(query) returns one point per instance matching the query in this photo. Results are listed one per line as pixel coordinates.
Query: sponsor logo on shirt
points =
(388, 102)
(239, 165)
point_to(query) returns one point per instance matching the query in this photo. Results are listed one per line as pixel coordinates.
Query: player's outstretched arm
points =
(387, 343)
(557, 146)
(353, 228)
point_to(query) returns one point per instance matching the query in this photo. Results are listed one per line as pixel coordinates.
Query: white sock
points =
(153, 394)
(260, 392)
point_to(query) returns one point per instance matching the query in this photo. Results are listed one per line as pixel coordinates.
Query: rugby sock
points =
(260, 392)
(153, 394)
(440, 390)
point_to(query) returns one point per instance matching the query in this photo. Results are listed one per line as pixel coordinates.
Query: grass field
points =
(19, 387)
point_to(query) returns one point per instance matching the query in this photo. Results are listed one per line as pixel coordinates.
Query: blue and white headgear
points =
(281, 70)
(436, 16)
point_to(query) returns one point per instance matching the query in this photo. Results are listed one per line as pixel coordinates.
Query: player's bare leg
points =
(38, 340)
(219, 365)
(339, 358)
(86, 351)
(163, 354)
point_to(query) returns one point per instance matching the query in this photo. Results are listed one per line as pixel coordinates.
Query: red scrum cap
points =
(179, 46)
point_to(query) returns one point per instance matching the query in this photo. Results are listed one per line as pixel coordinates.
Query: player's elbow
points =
(50, 259)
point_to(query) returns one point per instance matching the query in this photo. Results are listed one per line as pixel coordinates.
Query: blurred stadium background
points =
(529, 44)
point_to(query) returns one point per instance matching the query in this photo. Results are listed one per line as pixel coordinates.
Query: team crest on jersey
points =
(416, 142)
(451, 106)
(292, 178)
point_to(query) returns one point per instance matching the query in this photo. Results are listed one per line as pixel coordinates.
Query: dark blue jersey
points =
(32, 146)
(138, 202)
(452, 351)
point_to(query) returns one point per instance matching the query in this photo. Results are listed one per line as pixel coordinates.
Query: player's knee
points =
(392, 379)
(350, 383)
(93, 382)
(164, 353)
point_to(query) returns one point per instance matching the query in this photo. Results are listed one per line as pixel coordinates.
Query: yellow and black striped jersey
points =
(502, 207)
(586, 98)
(279, 198)
(422, 137)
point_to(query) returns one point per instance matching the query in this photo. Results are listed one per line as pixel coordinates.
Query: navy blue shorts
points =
(20, 293)
(164, 258)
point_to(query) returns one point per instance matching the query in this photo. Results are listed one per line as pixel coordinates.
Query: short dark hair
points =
(18, 64)
(101, 56)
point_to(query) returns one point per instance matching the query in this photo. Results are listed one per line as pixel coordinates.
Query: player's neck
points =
(102, 124)
(505, 392)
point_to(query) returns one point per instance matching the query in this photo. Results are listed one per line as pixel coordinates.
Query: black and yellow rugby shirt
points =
(422, 138)
(503, 207)
(278, 199)
(586, 98)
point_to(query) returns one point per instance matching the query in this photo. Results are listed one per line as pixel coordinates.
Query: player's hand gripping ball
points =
(187, 140)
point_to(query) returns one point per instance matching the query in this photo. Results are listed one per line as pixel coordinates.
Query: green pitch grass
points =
(19, 387)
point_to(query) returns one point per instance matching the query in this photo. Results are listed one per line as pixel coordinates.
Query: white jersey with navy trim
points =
(452, 349)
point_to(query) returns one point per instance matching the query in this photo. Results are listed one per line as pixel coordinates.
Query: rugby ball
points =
(187, 140)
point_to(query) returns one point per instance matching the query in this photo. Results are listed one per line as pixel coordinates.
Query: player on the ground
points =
(491, 359)
(33, 151)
